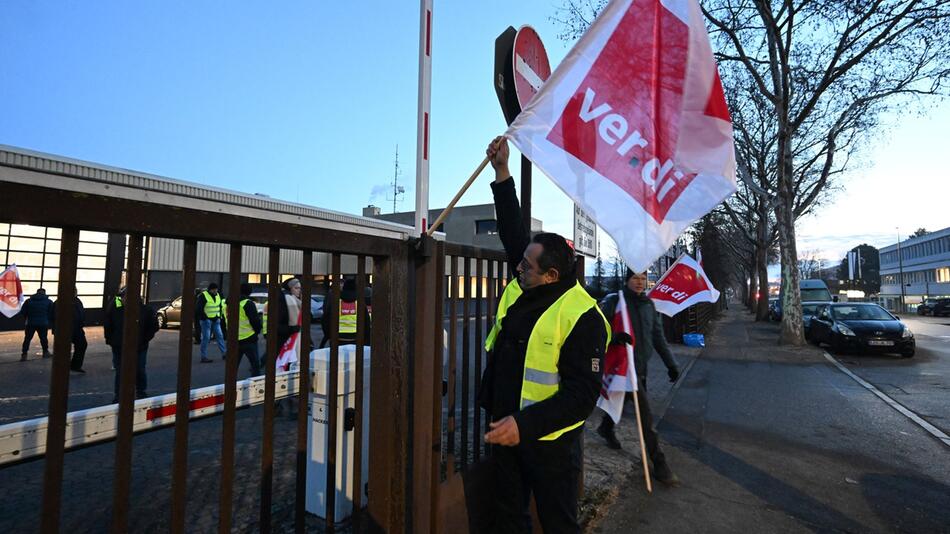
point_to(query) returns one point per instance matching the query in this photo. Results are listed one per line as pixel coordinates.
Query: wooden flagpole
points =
(458, 195)
(643, 449)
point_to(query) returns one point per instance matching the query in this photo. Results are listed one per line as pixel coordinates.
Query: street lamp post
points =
(900, 266)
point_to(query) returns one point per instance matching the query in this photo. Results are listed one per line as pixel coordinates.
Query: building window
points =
(943, 275)
(486, 227)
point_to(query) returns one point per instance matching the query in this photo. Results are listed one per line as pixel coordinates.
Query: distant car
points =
(809, 309)
(935, 307)
(861, 327)
(316, 304)
(812, 290)
(170, 313)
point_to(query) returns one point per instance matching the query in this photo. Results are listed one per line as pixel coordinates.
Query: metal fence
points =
(73, 211)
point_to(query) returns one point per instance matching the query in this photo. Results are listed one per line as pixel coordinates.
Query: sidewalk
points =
(606, 470)
(774, 439)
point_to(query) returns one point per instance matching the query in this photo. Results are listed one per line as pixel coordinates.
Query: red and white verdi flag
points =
(633, 125)
(685, 283)
(620, 373)
(11, 291)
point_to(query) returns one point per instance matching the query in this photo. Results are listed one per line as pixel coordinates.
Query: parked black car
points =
(809, 309)
(935, 307)
(861, 327)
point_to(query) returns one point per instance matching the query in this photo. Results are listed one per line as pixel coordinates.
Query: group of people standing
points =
(40, 314)
(210, 317)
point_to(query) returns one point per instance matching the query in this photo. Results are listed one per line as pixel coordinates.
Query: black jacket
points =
(114, 323)
(37, 310)
(579, 362)
(79, 317)
(647, 328)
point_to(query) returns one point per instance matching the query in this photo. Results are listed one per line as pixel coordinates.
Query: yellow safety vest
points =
(348, 318)
(118, 302)
(245, 330)
(212, 305)
(541, 379)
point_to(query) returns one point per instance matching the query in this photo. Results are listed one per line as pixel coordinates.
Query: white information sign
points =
(585, 233)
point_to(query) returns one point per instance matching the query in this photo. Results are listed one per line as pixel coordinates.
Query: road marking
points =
(934, 431)
(528, 73)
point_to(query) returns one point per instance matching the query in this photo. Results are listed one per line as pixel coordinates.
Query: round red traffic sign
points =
(530, 62)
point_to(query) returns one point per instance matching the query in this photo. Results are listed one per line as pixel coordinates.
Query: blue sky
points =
(306, 101)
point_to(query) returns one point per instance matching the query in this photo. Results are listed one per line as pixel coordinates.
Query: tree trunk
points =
(753, 290)
(792, 332)
(761, 262)
(743, 288)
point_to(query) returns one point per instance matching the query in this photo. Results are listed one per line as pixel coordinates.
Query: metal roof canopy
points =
(23, 166)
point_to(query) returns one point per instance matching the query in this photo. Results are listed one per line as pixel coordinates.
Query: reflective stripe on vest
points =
(245, 330)
(541, 378)
(212, 305)
(347, 317)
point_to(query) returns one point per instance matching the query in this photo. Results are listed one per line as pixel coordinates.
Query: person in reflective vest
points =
(346, 309)
(208, 310)
(543, 375)
(249, 327)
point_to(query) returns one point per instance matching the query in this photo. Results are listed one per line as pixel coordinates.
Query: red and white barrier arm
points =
(27, 439)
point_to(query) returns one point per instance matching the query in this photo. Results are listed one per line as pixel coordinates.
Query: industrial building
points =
(35, 249)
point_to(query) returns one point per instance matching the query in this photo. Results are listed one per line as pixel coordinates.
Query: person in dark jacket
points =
(37, 310)
(113, 327)
(648, 333)
(348, 313)
(536, 394)
(249, 327)
(78, 334)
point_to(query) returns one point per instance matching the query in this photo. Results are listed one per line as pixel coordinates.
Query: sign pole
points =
(526, 193)
(423, 119)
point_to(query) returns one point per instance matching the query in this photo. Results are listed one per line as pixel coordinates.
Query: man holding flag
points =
(543, 374)
(643, 330)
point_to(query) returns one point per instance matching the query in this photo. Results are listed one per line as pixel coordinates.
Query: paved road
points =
(87, 480)
(773, 439)
(921, 383)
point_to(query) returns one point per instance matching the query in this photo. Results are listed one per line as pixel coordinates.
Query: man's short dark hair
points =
(212, 285)
(555, 254)
(245, 288)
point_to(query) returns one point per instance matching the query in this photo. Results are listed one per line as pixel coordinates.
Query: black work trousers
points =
(650, 438)
(30, 331)
(549, 470)
(79, 349)
(249, 350)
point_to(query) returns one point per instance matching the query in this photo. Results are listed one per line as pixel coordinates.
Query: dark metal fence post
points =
(303, 392)
(183, 400)
(267, 448)
(59, 383)
(232, 361)
(127, 370)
